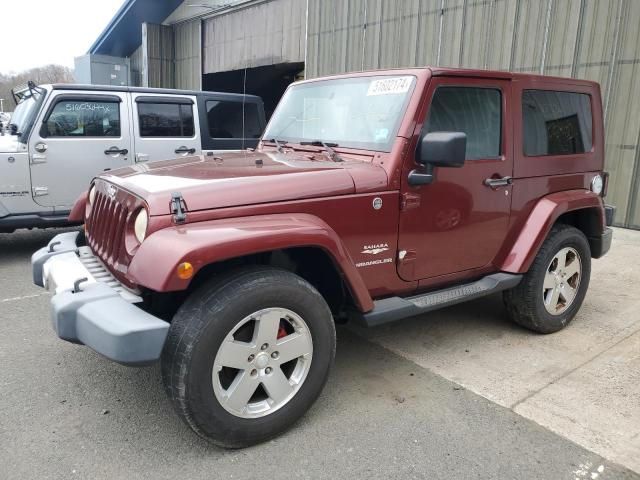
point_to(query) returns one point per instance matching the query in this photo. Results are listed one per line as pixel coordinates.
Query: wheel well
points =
(311, 263)
(587, 220)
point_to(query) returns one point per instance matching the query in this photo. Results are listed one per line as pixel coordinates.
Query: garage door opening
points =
(268, 82)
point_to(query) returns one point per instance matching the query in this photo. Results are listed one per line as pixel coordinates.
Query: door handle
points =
(185, 150)
(116, 151)
(498, 182)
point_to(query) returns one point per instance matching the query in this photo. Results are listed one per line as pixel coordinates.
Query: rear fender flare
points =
(154, 264)
(540, 221)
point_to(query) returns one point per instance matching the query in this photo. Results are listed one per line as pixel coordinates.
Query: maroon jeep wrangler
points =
(372, 197)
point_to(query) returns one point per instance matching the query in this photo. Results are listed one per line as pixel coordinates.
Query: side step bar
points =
(396, 308)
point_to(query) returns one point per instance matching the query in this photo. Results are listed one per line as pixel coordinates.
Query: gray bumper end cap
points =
(62, 243)
(101, 319)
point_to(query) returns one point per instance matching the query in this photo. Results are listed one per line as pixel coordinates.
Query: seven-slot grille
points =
(106, 226)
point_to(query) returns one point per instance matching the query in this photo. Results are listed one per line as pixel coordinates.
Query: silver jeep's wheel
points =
(255, 378)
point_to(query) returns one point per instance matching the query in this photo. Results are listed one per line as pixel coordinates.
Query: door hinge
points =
(40, 191)
(38, 158)
(409, 201)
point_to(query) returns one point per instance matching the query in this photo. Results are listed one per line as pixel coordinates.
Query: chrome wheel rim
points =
(262, 363)
(562, 281)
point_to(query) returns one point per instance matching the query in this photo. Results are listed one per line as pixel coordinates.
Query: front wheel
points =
(552, 291)
(247, 355)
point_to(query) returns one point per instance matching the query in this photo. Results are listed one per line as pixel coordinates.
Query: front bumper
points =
(601, 244)
(91, 307)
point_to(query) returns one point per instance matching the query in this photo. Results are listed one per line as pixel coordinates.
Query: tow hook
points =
(77, 283)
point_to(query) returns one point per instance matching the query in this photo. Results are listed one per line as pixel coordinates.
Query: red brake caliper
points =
(282, 332)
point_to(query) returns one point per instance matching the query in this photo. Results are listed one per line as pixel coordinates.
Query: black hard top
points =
(163, 91)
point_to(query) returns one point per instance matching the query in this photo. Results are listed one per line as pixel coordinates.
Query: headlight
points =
(597, 184)
(92, 195)
(140, 225)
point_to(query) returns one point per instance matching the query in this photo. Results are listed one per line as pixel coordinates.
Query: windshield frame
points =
(368, 146)
(28, 120)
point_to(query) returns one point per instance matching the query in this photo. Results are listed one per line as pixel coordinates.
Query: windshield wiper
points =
(279, 143)
(333, 155)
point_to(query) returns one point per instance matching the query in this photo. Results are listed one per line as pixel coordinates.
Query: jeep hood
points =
(245, 178)
(9, 144)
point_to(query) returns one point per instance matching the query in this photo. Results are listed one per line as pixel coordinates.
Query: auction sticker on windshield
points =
(389, 86)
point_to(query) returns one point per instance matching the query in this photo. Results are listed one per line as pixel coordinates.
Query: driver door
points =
(77, 137)
(459, 221)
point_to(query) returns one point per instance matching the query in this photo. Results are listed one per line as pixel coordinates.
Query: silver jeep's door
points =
(77, 136)
(165, 126)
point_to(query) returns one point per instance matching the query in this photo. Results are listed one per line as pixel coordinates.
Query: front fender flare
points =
(203, 243)
(77, 211)
(540, 221)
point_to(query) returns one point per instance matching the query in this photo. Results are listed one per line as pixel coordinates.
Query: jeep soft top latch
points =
(178, 208)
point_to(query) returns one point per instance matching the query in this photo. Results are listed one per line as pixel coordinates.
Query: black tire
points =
(198, 330)
(525, 304)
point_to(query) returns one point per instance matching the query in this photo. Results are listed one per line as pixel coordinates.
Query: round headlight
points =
(597, 184)
(140, 225)
(92, 195)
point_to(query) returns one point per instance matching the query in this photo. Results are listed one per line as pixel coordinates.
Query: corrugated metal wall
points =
(188, 59)
(137, 66)
(158, 56)
(592, 39)
(264, 33)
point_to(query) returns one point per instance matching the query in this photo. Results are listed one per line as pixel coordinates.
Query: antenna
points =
(244, 92)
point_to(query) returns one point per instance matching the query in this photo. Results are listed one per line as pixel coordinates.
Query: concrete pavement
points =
(582, 382)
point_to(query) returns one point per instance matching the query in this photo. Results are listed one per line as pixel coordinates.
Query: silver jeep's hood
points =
(10, 144)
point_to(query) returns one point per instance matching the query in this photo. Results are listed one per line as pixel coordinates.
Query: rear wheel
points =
(247, 355)
(552, 291)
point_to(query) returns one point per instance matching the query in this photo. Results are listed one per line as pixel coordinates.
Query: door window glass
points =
(78, 118)
(474, 111)
(226, 120)
(556, 123)
(166, 120)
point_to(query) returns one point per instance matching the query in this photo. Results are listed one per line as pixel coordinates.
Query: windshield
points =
(361, 112)
(24, 114)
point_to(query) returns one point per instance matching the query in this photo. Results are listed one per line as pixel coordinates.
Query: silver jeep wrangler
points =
(61, 136)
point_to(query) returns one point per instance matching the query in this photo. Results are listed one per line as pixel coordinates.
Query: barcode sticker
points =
(389, 86)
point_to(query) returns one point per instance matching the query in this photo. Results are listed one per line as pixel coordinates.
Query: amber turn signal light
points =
(185, 271)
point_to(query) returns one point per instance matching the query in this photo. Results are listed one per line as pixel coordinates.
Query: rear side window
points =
(165, 120)
(556, 123)
(78, 118)
(226, 120)
(474, 111)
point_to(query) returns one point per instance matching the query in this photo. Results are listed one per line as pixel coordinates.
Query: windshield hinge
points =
(178, 208)
(409, 201)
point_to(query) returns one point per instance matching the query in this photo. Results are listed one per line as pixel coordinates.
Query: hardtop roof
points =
(462, 72)
(162, 91)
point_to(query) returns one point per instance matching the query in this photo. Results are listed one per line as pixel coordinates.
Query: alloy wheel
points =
(562, 281)
(262, 363)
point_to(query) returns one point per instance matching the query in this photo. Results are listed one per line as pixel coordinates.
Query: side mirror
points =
(438, 149)
(442, 149)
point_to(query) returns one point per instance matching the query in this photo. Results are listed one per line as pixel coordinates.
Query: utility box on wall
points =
(102, 70)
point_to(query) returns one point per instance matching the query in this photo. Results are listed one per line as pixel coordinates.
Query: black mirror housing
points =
(442, 149)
